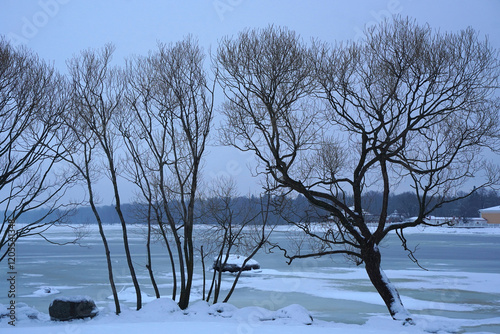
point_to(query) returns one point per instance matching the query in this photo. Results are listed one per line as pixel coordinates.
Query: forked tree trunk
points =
(386, 290)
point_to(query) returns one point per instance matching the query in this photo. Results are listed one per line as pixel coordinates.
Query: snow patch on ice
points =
(44, 291)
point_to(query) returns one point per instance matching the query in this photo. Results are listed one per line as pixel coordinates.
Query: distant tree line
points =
(402, 203)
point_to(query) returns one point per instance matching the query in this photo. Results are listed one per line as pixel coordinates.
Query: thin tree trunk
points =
(218, 282)
(172, 261)
(129, 257)
(177, 239)
(235, 282)
(212, 285)
(188, 254)
(148, 247)
(106, 249)
(218, 273)
(202, 255)
(386, 290)
(180, 256)
(124, 232)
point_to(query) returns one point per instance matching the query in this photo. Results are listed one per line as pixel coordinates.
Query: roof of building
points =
(493, 209)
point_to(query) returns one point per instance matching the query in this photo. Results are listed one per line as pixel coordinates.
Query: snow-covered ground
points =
(449, 298)
(164, 316)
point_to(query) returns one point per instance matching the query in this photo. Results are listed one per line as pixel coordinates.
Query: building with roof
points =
(492, 215)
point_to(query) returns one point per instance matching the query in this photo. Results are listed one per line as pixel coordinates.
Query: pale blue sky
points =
(58, 29)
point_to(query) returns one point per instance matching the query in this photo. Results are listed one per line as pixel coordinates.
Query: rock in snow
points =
(64, 309)
(234, 264)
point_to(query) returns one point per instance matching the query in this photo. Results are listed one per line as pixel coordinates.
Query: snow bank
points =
(164, 316)
(128, 295)
(24, 314)
(165, 310)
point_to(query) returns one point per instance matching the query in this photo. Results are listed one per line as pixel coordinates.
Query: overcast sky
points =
(59, 29)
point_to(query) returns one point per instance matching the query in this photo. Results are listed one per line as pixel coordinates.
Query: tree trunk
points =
(128, 255)
(388, 292)
(110, 270)
(189, 266)
(149, 264)
(86, 174)
(107, 251)
(124, 230)
(203, 270)
(171, 256)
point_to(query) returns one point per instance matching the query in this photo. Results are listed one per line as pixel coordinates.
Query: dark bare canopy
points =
(170, 100)
(33, 97)
(330, 121)
(98, 90)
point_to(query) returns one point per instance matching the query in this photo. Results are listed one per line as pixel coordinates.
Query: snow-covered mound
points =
(292, 314)
(128, 295)
(46, 291)
(23, 313)
(234, 263)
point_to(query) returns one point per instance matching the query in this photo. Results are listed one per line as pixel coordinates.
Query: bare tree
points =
(171, 104)
(232, 227)
(83, 154)
(145, 135)
(97, 95)
(32, 176)
(406, 104)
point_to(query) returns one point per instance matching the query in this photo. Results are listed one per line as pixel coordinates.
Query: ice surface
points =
(338, 286)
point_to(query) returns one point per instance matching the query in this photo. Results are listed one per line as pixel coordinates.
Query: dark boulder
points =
(65, 309)
(234, 263)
